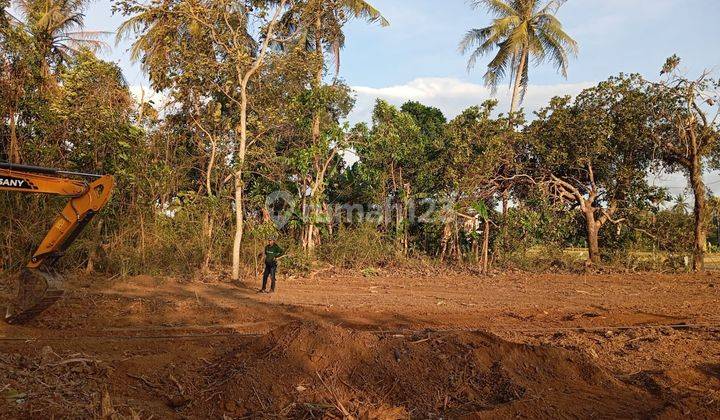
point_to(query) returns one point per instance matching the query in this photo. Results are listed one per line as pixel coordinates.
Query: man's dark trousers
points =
(270, 270)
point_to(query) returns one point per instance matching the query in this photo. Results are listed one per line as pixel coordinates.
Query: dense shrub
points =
(359, 247)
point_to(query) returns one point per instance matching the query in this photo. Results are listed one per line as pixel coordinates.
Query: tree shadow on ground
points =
(90, 305)
(710, 369)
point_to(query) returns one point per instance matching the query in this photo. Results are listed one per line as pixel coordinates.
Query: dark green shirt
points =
(272, 252)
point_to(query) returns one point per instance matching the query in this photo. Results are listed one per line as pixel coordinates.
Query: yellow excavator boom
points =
(40, 285)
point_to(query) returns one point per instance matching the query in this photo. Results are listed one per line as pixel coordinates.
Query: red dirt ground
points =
(338, 345)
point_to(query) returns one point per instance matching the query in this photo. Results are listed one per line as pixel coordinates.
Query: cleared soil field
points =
(394, 346)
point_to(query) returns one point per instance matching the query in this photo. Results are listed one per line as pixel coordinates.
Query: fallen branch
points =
(76, 360)
(143, 380)
(177, 384)
(262, 404)
(339, 405)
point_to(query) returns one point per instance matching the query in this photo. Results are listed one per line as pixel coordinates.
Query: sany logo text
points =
(13, 183)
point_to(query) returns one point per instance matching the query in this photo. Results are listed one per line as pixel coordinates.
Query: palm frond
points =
(89, 35)
(473, 38)
(93, 46)
(473, 59)
(65, 51)
(551, 7)
(555, 53)
(498, 8)
(515, 64)
(518, 37)
(504, 26)
(536, 46)
(67, 22)
(485, 39)
(498, 67)
(129, 28)
(481, 41)
(148, 29)
(558, 45)
(88, 40)
(364, 10)
(552, 27)
(25, 8)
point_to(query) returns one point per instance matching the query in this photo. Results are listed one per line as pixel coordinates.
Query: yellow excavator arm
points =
(40, 286)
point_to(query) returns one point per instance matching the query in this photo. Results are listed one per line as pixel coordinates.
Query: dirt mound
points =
(307, 370)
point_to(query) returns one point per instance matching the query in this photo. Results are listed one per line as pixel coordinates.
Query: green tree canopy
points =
(594, 153)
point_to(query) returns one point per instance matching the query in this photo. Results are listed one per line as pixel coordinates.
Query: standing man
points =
(272, 253)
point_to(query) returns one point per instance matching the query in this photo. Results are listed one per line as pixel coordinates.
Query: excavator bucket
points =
(40, 286)
(37, 290)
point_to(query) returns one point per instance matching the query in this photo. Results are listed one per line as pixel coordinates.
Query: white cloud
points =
(452, 95)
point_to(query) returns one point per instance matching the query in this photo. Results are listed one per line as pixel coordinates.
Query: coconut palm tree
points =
(56, 26)
(330, 15)
(680, 205)
(326, 19)
(320, 22)
(523, 30)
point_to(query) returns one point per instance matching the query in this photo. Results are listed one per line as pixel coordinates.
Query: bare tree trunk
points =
(209, 221)
(239, 185)
(309, 227)
(242, 149)
(14, 152)
(306, 219)
(210, 165)
(717, 227)
(399, 212)
(318, 75)
(700, 242)
(593, 229)
(239, 226)
(447, 234)
(317, 191)
(92, 257)
(505, 208)
(486, 247)
(458, 248)
(330, 221)
(143, 246)
(518, 81)
(309, 233)
(406, 218)
(208, 228)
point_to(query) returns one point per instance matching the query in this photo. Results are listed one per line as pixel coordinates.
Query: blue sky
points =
(417, 57)
(614, 36)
